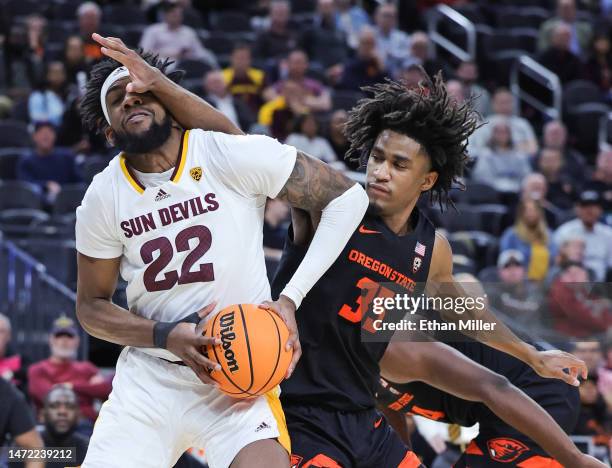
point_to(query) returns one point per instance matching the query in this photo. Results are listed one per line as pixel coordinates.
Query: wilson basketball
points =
(252, 352)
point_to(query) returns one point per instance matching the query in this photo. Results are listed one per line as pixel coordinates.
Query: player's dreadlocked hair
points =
(91, 109)
(427, 114)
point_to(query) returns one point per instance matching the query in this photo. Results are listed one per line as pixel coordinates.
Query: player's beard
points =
(151, 139)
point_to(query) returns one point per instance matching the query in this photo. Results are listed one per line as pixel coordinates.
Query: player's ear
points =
(110, 135)
(429, 181)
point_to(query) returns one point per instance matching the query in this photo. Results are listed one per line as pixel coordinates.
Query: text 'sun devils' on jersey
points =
(338, 369)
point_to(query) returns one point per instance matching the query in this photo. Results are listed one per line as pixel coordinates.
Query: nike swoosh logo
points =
(364, 230)
(377, 423)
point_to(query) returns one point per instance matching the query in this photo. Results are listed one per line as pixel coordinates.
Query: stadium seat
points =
(530, 17)
(14, 133)
(476, 193)
(92, 166)
(580, 92)
(18, 222)
(303, 6)
(500, 64)
(9, 159)
(344, 99)
(583, 123)
(492, 217)
(69, 199)
(488, 275)
(19, 194)
(58, 256)
(194, 69)
(527, 38)
(21, 8)
(124, 14)
(230, 21)
(58, 227)
(472, 12)
(465, 218)
(484, 246)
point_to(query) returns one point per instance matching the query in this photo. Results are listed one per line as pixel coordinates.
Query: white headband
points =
(117, 74)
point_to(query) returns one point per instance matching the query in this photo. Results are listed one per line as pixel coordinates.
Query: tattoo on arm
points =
(313, 184)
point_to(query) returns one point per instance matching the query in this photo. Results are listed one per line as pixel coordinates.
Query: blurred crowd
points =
(535, 223)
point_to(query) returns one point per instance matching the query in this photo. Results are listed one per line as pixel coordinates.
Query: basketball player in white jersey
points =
(180, 213)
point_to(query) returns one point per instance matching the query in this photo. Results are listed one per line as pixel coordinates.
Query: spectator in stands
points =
(559, 58)
(500, 164)
(90, 17)
(316, 96)
(591, 353)
(13, 367)
(421, 49)
(276, 219)
(411, 74)
(36, 27)
(48, 102)
(598, 236)
(279, 39)
(561, 183)
(350, 19)
(535, 187)
(523, 135)
(335, 134)
(467, 73)
(598, 68)
(570, 251)
(61, 418)
(171, 38)
(306, 138)
(278, 114)
(579, 31)
(16, 420)
(601, 180)
(217, 94)
(244, 81)
(593, 417)
(46, 165)
(513, 294)
(577, 311)
(367, 68)
(323, 41)
(393, 44)
(75, 62)
(530, 235)
(63, 368)
(604, 375)
(455, 91)
(555, 136)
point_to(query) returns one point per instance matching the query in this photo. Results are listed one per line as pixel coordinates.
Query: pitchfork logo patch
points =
(196, 173)
(505, 450)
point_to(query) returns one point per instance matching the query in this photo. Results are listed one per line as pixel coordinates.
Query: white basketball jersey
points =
(194, 239)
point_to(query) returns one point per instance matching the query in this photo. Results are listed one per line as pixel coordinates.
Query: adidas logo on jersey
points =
(161, 195)
(262, 426)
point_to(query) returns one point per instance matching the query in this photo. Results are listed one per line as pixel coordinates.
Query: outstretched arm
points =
(447, 369)
(440, 283)
(189, 110)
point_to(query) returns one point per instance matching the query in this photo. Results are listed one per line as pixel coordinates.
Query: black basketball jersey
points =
(338, 370)
(424, 400)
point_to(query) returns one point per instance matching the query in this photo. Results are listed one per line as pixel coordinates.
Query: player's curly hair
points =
(91, 109)
(425, 113)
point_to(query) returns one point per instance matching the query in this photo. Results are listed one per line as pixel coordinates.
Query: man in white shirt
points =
(180, 213)
(597, 236)
(174, 40)
(393, 44)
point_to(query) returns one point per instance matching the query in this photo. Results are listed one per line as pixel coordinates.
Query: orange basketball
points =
(252, 352)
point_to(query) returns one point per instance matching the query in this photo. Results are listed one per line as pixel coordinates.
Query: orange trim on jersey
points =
(321, 461)
(131, 178)
(540, 462)
(272, 397)
(473, 449)
(429, 414)
(180, 164)
(410, 461)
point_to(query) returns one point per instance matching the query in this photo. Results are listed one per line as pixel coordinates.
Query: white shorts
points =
(157, 410)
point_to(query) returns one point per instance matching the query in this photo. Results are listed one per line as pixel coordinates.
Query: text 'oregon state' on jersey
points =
(338, 369)
(194, 239)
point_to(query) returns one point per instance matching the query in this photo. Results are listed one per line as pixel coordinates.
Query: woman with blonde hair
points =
(531, 236)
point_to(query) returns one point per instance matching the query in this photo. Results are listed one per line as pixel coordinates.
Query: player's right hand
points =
(186, 342)
(143, 76)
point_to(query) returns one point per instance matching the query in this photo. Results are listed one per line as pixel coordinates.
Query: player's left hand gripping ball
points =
(286, 309)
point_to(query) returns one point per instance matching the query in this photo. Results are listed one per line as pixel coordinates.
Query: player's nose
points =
(131, 99)
(382, 172)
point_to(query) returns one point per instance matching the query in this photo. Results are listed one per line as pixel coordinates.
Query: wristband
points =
(161, 330)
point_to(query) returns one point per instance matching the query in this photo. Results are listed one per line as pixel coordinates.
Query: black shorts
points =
(332, 439)
(500, 445)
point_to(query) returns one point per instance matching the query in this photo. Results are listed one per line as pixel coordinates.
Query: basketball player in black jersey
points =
(413, 141)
